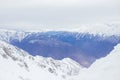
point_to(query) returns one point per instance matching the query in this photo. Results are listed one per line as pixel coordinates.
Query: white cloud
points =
(58, 12)
(87, 3)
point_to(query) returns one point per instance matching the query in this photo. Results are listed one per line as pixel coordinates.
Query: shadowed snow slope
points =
(16, 64)
(107, 68)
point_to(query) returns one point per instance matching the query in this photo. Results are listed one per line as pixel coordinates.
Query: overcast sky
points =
(37, 13)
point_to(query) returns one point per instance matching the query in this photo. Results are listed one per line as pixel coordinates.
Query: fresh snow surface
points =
(16, 64)
(107, 68)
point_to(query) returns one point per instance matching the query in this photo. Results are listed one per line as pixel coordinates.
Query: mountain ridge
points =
(74, 45)
(19, 59)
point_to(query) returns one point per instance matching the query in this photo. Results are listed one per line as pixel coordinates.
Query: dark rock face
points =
(83, 48)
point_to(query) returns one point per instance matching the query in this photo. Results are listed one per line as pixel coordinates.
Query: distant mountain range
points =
(84, 48)
(79, 53)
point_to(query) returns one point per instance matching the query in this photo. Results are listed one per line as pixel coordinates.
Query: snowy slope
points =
(8, 35)
(107, 68)
(16, 64)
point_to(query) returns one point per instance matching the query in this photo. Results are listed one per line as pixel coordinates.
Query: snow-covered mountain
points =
(16, 64)
(8, 35)
(101, 29)
(94, 29)
(81, 44)
(106, 29)
(84, 47)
